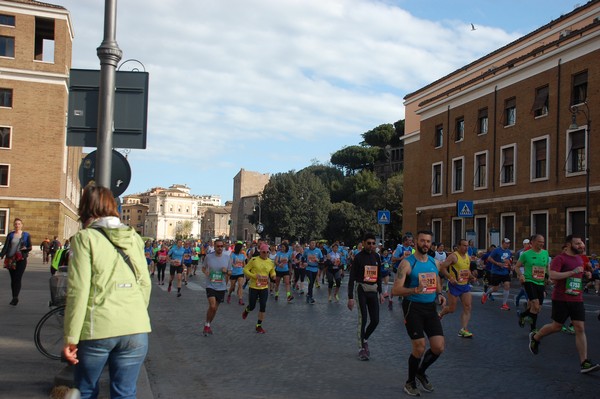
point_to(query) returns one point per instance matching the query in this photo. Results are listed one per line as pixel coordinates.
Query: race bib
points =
(370, 274)
(175, 262)
(262, 281)
(283, 262)
(186, 256)
(312, 258)
(573, 286)
(538, 272)
(239, 263)
(464, 275)
(216, 276)
(162, 258)
(429, 282)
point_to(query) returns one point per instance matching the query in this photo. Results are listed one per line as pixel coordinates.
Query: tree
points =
(348, 223)
(381, 136)
(354, 158)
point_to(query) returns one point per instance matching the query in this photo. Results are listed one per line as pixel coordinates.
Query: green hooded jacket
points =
(104, 298)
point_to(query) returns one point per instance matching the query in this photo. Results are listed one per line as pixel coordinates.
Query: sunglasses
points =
(370, 242)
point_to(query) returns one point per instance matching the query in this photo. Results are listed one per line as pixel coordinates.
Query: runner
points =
(175, 259)
(283, 259)
(334, 272)
(535, 267)
(161, 263)
(566, 270)
(419, 283)
(187, 261)
(215, 269)
(195, 258)
(500, 258)
(313, 256)
(238, 261)
(457, 269)
(364, 271)
(258, 270)
(299, 266)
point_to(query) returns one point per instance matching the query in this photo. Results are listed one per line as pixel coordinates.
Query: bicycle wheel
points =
(48, 336)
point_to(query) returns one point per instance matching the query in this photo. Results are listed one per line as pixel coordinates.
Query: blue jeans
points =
(125, 356)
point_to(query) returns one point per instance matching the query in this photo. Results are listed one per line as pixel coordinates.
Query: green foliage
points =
(354, 158)
(381, 136)
(294, 206)
(348, 223)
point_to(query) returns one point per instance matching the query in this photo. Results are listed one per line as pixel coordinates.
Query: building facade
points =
(510, 134)
(247, 187)
(216, 222)
(38, 172)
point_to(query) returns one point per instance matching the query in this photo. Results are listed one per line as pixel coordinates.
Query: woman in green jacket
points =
(106, 319)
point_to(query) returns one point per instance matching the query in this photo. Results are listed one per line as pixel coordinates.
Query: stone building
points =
(510, 134)
(38, 172)
(247, 187)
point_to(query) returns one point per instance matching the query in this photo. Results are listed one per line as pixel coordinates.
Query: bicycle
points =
(48, 334)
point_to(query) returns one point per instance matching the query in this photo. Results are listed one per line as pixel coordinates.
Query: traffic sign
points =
(383, 217)
(120, 176)
(464, 209)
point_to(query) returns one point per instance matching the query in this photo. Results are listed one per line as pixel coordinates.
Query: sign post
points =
(383, 218)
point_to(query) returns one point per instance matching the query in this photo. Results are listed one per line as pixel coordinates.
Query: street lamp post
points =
(585, 110)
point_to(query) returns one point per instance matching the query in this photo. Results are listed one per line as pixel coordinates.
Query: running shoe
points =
(505, 307)
(228, 298)
(207, 331)
(366, 348)
(260, 330)
(390, 305)
(301, 292)
(337, 298)
(425, 384)
(241, 302)
(520, 319)
(244, 314)
(185, 281)
(484, 299)
(362, 355)
(178, 294)
(588, 367)
(411, 389)
(534, 346)
(310, 301)
(385, 294)
(329, 298)
(463, 333)
(317, 285)
(491, 297)
(169, 289)
(277, 297)
(290, 298)
(568, 330)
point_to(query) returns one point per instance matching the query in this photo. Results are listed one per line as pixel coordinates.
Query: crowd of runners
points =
(427, 281)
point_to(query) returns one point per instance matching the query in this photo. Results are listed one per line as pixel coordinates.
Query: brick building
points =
(499, 132)
(38, 173)
(247, 187)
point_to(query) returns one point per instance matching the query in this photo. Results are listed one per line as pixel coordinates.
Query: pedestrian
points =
(55, 245)
(106, 318)
(567, 271)
(457, 270)
(215, 269)
(365, 272)
(418, 281)
(16, 250)
(45, 247)
(258, 271)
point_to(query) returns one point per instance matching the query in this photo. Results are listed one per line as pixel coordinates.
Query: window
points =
(576, 152)
(4, 173)
(436, 229)
(7, 46)
(540, 104)
(460, 129)
(5, 135)
(510, 111)
(436, 179)
(576, 222)
(481, 231)
(579, 90)
(457, 174)
(458, 230)
(6, 98)
(439, 136)
(7, 20)
(539, 223)
(539, 158)
(44, 39)
(507, 227)
(482, 121)
(3, 222)
(508, 164)
(480, 170)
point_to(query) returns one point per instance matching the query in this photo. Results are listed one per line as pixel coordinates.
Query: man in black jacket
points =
(365, 273)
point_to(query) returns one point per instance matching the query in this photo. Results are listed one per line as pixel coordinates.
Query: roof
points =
(36, 3)
(501, 49)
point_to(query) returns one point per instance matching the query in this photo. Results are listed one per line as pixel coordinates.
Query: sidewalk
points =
(24, 372)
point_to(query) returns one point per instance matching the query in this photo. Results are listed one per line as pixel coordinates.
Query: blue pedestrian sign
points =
(464, 209)
(383, 217)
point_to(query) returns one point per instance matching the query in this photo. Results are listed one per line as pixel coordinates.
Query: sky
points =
(276, 85)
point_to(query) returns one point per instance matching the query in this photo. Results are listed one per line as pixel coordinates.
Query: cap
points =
(264, 247)
(506, 240)
(526, 241)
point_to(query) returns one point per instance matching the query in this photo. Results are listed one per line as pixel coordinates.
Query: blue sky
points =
(271, 85)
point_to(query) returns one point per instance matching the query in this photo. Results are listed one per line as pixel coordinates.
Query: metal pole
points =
(109, 55)
(587, 188)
